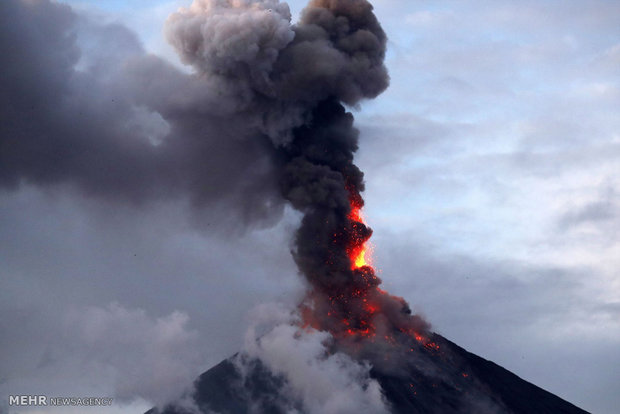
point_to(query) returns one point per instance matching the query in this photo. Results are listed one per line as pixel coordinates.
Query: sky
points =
(492, 187)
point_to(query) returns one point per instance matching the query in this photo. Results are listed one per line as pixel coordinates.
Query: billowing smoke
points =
(261, 121)
(316, 381)
(294, 79)
(280, 71)
(84, 108)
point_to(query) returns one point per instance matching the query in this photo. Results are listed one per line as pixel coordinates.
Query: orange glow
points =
(358, 253)
(360, 260)
(354, 311)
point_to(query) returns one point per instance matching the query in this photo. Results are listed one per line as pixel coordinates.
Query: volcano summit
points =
(434, 376)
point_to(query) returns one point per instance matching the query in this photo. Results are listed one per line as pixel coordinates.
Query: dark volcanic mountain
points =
(430, 376)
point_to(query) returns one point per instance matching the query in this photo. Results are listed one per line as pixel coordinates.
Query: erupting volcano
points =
(298, 77)
(331, 245)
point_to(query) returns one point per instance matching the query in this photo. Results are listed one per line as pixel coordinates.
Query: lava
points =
(357, 248)
(358, 310)
(357, 252)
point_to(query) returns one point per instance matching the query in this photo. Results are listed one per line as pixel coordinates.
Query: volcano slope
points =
(431, 375)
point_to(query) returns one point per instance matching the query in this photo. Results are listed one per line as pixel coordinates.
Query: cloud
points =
(152, 358)
(532, 318)
(601, 212)
(110, 351)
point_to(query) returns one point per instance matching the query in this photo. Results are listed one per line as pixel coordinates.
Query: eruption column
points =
(321, 180)
(293, 82)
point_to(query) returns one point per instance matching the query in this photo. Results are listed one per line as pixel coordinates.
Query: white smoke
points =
(321, 381)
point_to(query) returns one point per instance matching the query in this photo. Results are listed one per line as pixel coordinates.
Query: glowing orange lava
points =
(355, 311)
(358, 252)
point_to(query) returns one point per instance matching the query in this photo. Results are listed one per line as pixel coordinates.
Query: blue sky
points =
(493, 189)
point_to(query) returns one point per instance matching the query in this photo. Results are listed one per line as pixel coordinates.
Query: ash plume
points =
(260, 122)
(279, 71)
(295, 80)
(83, 108)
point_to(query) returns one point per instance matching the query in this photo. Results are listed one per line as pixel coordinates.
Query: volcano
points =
(295, 83)
(302, 78)
(432, 376)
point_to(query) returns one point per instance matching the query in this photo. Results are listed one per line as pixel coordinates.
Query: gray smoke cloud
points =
(83, 106)
(260, 121)
(280, 71)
